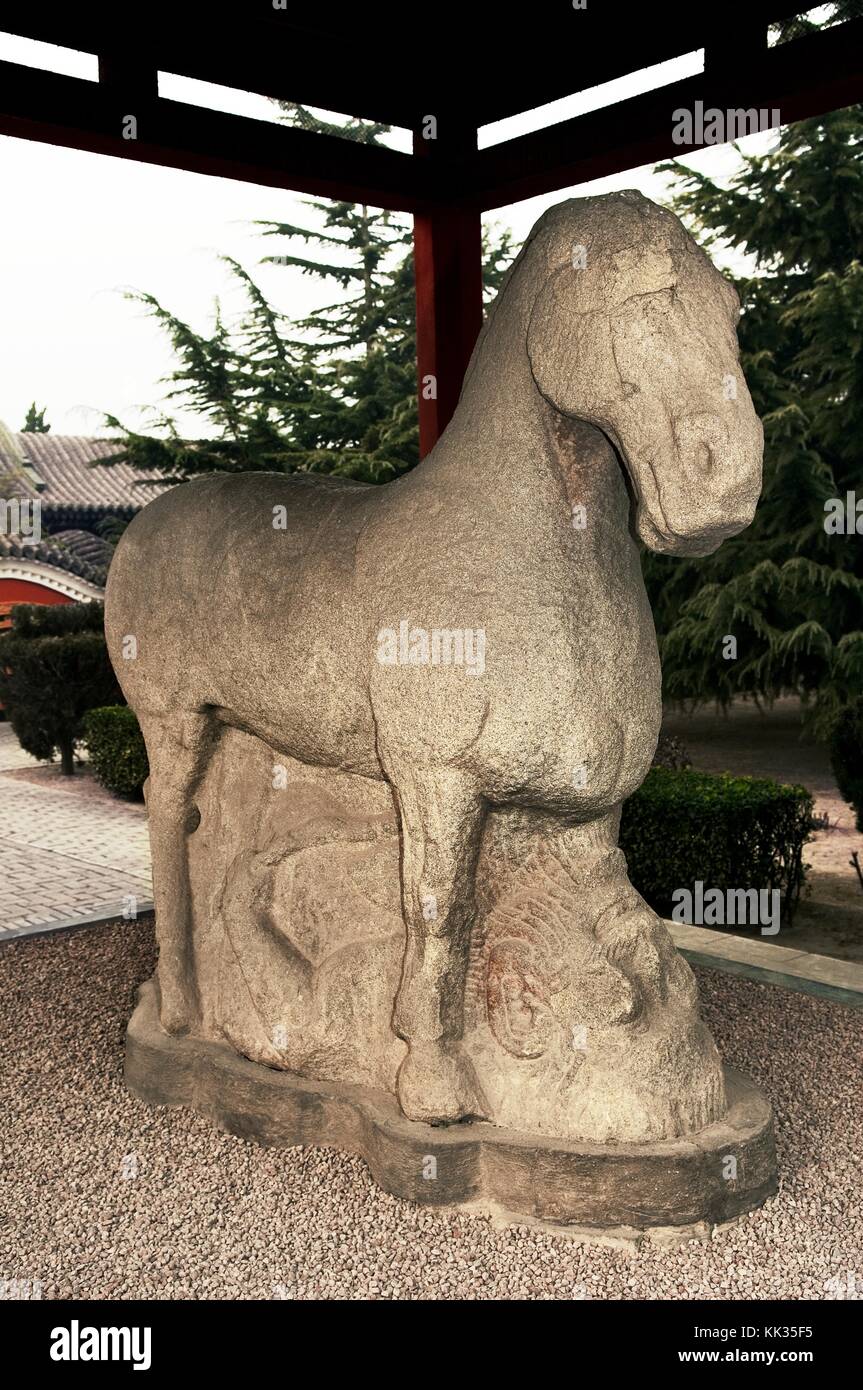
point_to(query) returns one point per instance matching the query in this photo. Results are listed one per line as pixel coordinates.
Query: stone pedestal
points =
(606, 1102)
(710, 1176)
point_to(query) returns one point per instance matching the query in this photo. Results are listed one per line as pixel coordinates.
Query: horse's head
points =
(633, 329)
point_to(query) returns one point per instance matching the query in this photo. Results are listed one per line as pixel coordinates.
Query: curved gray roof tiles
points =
(63, 463)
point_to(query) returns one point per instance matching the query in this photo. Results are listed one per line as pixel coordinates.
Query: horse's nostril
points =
(706, 458)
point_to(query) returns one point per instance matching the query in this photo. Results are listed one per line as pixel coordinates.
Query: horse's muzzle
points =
(713, 490)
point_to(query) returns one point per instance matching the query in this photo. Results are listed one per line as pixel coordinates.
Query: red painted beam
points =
(448, 271)
(448, 279)
(366, 60)
(72, 112)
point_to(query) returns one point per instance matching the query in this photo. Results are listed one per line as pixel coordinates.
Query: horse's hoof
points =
(176, 1017)
(176, 1024)
(436, 1086)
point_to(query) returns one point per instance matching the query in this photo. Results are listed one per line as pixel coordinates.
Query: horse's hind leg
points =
(178, 747)
(441, 816)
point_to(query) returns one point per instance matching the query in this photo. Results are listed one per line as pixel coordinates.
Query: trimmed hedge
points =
(54, 667)
(57, 619)
(115, 743)
(728, 832)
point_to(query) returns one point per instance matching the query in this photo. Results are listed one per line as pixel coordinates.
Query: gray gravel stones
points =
(102, 1197)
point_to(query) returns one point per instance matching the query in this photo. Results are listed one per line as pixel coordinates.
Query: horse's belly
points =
(317, 720)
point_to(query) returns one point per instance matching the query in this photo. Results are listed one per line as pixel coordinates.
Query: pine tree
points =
(35, 422)
(334, 392)
(788, 589)
(12, 464)
(352, 351)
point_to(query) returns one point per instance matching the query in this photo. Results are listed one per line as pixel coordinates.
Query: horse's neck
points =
(588, 465)
(507, 442)
(506, 439)
(499, 437)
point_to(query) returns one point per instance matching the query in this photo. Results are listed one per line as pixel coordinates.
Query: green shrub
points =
(115, 743)
(57, 619)
(728, 832)
(846, 757)
(54, 667)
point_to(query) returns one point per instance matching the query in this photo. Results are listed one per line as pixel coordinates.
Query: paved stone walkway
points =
(66, 849)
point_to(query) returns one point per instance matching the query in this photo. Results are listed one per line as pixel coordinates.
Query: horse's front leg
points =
(178, 748)
(441, 814)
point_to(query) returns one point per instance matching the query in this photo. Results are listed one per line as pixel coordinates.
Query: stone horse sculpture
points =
(473, 644)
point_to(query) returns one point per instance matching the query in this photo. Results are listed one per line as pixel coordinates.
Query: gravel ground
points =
(104, 1198)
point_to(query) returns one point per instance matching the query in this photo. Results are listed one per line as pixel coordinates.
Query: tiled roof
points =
(62, 462)
(76, 552)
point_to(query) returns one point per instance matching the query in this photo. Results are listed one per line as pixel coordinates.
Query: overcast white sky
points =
(77, 229)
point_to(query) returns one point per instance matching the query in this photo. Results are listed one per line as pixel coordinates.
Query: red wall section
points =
(14, 591)
(24, 591)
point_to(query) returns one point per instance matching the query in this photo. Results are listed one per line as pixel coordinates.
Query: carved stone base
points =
(581, 1020)
(710, 1176)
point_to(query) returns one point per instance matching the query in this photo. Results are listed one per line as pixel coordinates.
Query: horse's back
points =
(226, 568)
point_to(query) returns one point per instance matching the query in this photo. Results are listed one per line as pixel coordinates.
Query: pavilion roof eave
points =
(820, 72)
(364, 61)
